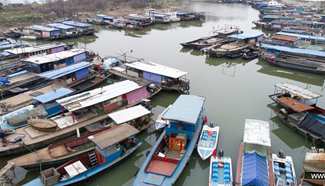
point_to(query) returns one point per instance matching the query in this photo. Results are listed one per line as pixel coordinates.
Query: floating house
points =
(254, 165)
(166, 77)
(103, 19)
(44, 32)
(83, 28)
(80, 110)
(66, 30)
(305, 37)
(39, 64)
(6, 43)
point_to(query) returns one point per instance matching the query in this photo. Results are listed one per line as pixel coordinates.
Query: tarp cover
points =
(315, 124)
(186, 108)
(53, 95)
(255, 170)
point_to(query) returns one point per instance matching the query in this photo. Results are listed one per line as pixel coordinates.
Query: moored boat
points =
(208, 141)
(284, 170)
(220, 173)
(254, 164)
(111, 147)
(169, 156)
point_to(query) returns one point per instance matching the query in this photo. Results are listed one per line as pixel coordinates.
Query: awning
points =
(187, 108)
(297, 91)
(57, 73)
(129, 114)
(116, 134)
(257, 132)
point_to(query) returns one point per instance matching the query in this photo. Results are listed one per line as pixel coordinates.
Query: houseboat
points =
(36, 66)
(190, 16)
(284, 170)
(306, 60)
(159, 17)
(82, 28)
(314, 167)
(42, 32)
(254, 164)
(296, 107)
(143, 21)
(102, 19)
(80, 110)
(172, 151)
(56, 153)
(112, 147)
(242, 42)
(148, 72)
(67, 31)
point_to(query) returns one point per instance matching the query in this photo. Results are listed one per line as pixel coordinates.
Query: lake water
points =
(234, 89)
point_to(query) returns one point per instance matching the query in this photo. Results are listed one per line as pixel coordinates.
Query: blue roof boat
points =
(111, 147)
(220, 171)
(169, 156)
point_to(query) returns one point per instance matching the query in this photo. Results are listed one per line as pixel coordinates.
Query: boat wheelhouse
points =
(254, 165)
(169, 156)
(80, 110)
(167, 78)
(112, 146)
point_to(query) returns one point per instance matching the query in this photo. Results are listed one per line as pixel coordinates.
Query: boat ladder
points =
(92, 158)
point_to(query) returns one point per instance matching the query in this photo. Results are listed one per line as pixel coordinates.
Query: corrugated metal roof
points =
(300, 51)
(98, 95)
(157, 69)
(54, 57)
(255, 170)
(43, 28)
(297, 91)
(257, 132)
(57, 73)
(284, 38)
(249, 35)
(187, 108)
(76, 24)
(125, 115)
(30, 49)
(53, 95)
(115, 135)
(303, 36)
(61, 26)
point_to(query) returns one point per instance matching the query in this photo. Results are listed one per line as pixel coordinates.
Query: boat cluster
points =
(228, 42)
(152, 16)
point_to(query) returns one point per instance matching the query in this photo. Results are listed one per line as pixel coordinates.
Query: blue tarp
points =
(303, 36)
(53, 95)
(299, 51)
(61, 26)
(4, 81)
(187, 108)
(57, 73)
(250, 35)
(255, 170)
(76, 24)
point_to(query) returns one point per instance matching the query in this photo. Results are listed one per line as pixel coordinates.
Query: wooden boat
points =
(228, 49)
(42, 125)
(111, 147)
(69, 148)
(283, 170)
(250, 55)
(314, 167)
(169, 156)
(208, 141)
(205, 42)
(220, 171)
(254, 164)
(81, 110)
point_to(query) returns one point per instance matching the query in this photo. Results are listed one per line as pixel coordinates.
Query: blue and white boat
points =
(208, 141)
(173, 149)
(220, 171)
(111, 147)
(283, 169)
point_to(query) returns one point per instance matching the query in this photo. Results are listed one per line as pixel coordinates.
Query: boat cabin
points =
(159, 17)
(250, 38)
(40, 64)
(166, 77)
(44, 32)
(47, 100)
(111, 146)
(83, 28)
(66, 30)
(104, 18)
(137, 116)
(142, 20)
(23, 52)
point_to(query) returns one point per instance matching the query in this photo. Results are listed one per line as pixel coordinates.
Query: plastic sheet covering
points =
(255, 170)
(315, 124)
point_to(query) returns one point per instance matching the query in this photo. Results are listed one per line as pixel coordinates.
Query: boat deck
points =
(121, 73)
(161, 167)
(294, 104)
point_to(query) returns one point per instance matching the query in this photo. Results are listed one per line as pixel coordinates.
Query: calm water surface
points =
(234, 89)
